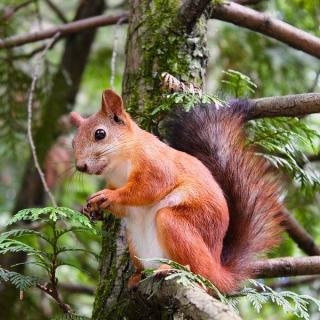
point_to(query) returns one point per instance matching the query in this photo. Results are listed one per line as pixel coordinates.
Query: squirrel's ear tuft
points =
(111, 102)
(76, 119)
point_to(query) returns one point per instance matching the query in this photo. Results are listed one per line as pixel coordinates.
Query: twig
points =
(10, 11)
(72, 27)
(54, 294)
(57, 11)
(114, 50)
(300, 236)
(35, 76)
(259, 22)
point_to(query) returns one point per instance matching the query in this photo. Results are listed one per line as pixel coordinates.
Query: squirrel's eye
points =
(99, 134)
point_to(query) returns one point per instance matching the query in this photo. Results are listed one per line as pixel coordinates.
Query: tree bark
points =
(183, 302)
(158, 41)
(285, 106)
(287, 267)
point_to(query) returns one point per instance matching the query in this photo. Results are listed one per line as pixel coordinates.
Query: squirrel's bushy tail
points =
(216, 137)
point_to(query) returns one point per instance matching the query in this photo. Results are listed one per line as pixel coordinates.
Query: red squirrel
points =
(206, 201)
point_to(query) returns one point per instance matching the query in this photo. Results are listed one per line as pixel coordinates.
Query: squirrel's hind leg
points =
(183, 243)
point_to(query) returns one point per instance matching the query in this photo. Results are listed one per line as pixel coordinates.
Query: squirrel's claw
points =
(98, 201)
(92, 215)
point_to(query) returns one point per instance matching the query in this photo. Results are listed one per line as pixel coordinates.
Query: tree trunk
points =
(157, 42)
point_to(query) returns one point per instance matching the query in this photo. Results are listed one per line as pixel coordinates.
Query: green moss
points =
(109, 271)
(164, 46)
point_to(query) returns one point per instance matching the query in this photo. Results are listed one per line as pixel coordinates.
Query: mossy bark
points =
(157, 42)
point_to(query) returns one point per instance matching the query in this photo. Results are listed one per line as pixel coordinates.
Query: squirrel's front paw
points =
(92, 215)
(99, 200)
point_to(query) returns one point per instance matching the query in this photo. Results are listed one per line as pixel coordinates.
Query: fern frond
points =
(289, 301)
(54, 214)
(283, 142)
(238, 83)
(20, 281)
(16, 233)
(13, 246)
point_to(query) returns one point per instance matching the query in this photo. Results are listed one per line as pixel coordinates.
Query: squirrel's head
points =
(102, 136)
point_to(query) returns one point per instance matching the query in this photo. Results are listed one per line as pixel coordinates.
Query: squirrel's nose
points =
(82, 167)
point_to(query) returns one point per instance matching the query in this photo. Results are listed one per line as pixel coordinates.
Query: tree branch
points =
(285, 106)
(230, 12)
(287, 267)
(300, 236)
(190, 11)
(195, 303)
(260, 22)
(72, 27)
(190, 303)
(52, 291)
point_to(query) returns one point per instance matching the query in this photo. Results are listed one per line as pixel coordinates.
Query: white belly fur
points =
(141, 227)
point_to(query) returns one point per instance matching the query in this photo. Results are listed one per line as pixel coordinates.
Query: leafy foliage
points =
(238, 84)
(55, 223)
(283, 142)
(289, 301)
